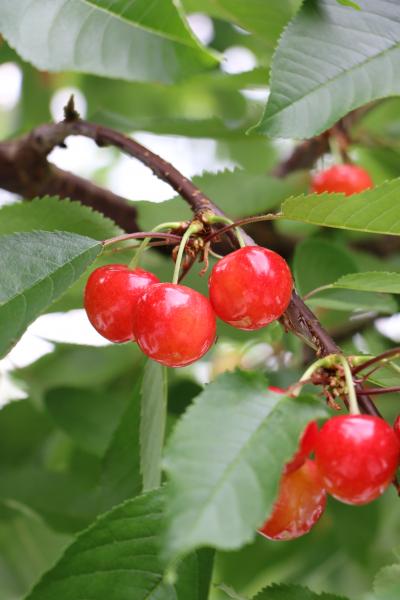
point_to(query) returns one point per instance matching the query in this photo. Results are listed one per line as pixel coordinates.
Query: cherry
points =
(111, 294)
(276, 389)
(348, 179)
(300, 503)
(357, 456)
(396, 427)
(307, 445)
(174, 324)
(250, 287)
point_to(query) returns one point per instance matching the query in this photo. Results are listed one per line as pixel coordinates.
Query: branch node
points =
(70, 112)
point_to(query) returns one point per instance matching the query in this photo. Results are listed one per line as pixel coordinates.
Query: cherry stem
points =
(326, 361)
(140, 235)
(379, 358)
(195, 227)
(138, 255)
(213, 218)
(351, 392)
(240, 222)
(316, 290)
(387, 390)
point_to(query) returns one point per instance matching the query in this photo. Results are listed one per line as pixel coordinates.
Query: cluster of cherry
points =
(356, 458)
(176, 325)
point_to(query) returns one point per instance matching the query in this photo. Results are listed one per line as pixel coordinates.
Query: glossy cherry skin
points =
(276, 389)
(308, 440)
(173, 324)
(111, 294)
(347, 179)
(300, 503)
(250, 287)
(357, 456)
(396, 427)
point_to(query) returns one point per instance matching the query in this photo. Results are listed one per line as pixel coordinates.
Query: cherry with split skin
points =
(301, 502)
(111, 294)
(251, 287)
(357, 456)
(173, 324)
(346, 179)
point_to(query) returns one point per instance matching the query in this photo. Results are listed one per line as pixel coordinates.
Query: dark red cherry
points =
(111, 294)
(307, 444)
(250, 287)
(301, 502)
(174, 324)
(357, 456)
(347, 179)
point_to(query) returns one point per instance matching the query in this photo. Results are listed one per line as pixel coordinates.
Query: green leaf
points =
(153, 399)
(28, 547)
(373, 211)
(387, 583)
(194, 575)
(225, 458)
(78, 366)
(53, 214)
(341, 299)
(36, 269)
(145, 43)
(121, 477)
(115, 558)
(89, 417)
(330, 60)
(319, 262)
(22, 431)
(371, 281)
(293, 592)
(349, 3)
(265, 19)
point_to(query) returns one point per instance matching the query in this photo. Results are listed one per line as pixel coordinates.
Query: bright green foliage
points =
(36, 269)
(87, 416)
(330, 60)
(372, 211)
(53, 214)
(319, 263)
(293, 592)
(117, 557)
(386, 583)
(265, 19)
(225, 458)
(371, 282)
(153, 402)
(91, 37)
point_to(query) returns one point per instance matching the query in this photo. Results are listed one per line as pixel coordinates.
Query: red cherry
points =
(396, 427)
(174, 324)
(348, 179)
(307, 445)
(111, 294)
(276, 389)
(250, 287)
(357, 456)
(301, 502)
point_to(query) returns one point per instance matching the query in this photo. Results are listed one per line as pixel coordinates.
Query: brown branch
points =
(25, 170)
